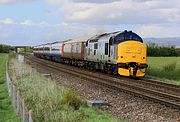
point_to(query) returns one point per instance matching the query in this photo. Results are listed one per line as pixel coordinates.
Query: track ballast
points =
(163, 93)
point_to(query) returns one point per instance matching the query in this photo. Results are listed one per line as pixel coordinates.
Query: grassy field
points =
(51, 102)
(7, 113)
(164, 67)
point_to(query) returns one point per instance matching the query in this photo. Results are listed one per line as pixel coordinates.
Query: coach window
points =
(106, 48)
(77, 47)
(46, 48)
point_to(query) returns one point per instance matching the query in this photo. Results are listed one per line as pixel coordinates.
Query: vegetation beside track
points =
(7, 113)
(164, 67)
(51, 102)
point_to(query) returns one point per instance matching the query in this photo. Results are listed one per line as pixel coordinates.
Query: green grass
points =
(7, 113)
(164, 67)
(51, 102)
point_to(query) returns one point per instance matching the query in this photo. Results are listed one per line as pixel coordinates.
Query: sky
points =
(33, 22)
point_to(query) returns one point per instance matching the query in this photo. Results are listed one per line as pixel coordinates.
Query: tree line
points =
(156, 50)
(5, 48)
(8, 48)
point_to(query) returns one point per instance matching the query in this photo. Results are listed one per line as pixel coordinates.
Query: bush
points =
(70, 98)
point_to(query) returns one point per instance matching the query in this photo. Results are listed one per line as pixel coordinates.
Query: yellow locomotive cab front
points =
(132, 58)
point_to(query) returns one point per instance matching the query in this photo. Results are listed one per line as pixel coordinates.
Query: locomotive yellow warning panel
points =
(132, 58)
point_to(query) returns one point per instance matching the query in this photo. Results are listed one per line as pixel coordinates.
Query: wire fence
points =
(17, 100)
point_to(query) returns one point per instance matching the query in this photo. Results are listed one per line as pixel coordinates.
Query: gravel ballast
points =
(122, 105)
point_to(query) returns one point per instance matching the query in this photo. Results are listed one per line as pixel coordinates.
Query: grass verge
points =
(51, 102)
(164, 68)
(7, 113)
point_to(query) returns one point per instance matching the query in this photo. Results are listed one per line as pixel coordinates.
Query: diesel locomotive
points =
(121, 52)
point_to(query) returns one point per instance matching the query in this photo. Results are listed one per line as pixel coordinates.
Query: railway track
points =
(163, 93)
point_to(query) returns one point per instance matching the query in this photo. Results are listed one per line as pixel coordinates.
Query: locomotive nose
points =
(133, 54)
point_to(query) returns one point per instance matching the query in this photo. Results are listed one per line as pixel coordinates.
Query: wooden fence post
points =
(11, 88)
(14, 96)
(30, 116)
(17, 101)
(23, 111)
(18, 107)
(7, 78)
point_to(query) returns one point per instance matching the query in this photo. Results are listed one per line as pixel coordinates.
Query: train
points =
(118, 53)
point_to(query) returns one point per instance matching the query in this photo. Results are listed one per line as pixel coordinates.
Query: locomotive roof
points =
(119, 36)
(96, 37)
(82, 39)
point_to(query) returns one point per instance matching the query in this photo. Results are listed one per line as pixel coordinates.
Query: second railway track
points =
(163, 93)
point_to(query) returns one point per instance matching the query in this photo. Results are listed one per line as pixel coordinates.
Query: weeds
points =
(48, 100)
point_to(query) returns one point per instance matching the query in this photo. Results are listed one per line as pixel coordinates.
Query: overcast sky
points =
(32, 22)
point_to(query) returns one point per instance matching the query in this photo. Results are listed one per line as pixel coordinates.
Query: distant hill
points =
(175, 41)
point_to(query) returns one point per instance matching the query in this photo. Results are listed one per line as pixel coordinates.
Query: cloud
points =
(96, 1)
(43, 23)
(27, 22)
(7, 1)
(29, 32)
(55, 2)
(15, 1)
(149, 18)
(7, 21)
(159, 30)
(118, 12)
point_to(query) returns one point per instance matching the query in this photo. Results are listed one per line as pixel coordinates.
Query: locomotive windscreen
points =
(125, 36)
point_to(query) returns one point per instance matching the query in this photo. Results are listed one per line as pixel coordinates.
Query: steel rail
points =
(147, 93)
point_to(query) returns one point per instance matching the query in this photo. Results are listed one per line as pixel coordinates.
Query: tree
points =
(5, 48)
(155, 50)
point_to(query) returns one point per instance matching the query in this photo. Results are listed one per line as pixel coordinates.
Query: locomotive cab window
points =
(126, 36)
